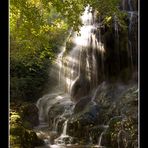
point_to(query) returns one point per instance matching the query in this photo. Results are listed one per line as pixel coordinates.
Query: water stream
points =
(100, 138)
(75, 68)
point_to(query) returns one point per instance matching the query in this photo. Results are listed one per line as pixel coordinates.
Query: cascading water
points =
(75, 68)
(100, 138)
(60, 140)
(82, 59)
(44, 104)
(130, 6)
(65, 128)
(132, 18)
(127, 6)
(78, 74)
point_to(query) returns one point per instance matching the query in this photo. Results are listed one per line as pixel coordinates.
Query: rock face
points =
(83, 119)
(121, 45)
(81, 104)
(58, 113)
(80, 88)
(119, 109)
(112, 113)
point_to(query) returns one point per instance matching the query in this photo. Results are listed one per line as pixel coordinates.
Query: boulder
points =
(83, 118)
(29, 113)
(58, 112)
(80, 88)
(81, 104)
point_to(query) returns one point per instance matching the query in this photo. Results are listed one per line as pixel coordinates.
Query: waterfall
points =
(130, 5)
(100, 138)
(45, 102)
(79, 70)
(82, 59)
(65, 128)
(55, 123)
(90, 140)
(123, 4)
(116, 28)
(129, 42)
(131, 13)
(68, 111)
(59, 61)
(77, 65)
(43, 105)
(127, 5)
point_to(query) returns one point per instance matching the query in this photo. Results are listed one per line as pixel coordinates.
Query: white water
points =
(60, 63)
(116, 27)
(65, 128)
(80, 60)
(127, 3)
(100, 138)
(45, 102)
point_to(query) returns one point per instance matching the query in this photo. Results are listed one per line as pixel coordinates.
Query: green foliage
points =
(36, 32)
(104, 8)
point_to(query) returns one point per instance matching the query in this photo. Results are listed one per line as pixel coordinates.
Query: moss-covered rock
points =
(81, 104)
(30, 139)
(29, 114)
(81, 122)
(20, 135)
(58, 113)
(80, 88)
(121, 115)
(121, 132)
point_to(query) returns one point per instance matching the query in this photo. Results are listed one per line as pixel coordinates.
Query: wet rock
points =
(58, 112)
(53, 136)
(114, 105)
(81, 104)
(121, 132)
(121, 116)
(80, 88)
(31, 140)
(66, 140)
(89, 113)
(81, 121)
(95, 132)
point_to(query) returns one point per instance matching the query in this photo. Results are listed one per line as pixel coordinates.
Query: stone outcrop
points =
(80, 88)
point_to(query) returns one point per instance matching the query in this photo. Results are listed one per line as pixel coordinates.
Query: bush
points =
(27, 81)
